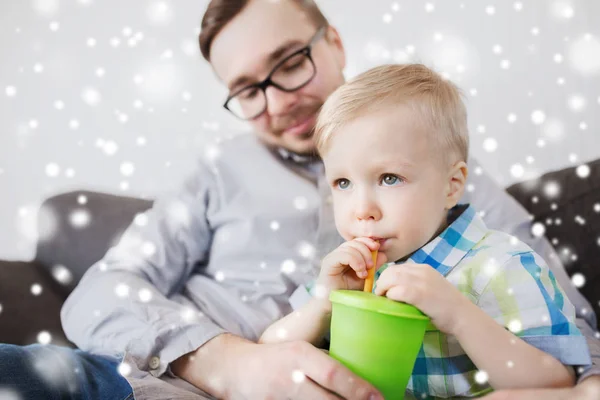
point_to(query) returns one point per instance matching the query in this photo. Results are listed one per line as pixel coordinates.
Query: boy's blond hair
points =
(435, 100)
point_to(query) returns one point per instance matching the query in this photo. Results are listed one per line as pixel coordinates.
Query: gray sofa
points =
(24, 315)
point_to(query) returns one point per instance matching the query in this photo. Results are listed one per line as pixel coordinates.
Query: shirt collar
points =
(446, 250)
(297, 158)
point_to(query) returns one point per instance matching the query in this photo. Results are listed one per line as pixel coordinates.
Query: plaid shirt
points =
(507, 280)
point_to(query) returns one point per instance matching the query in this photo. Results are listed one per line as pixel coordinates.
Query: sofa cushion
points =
(567, 204)
(77, 229)
(24, 315)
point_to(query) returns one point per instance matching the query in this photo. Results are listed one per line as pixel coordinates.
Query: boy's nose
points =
(367, 209)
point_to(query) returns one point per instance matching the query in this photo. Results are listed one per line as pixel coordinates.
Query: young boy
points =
(394, 142)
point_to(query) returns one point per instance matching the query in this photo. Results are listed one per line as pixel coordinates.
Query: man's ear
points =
(333, 38)
(457, 178)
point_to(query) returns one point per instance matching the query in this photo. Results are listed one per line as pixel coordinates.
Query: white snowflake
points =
(306, 250)
(538, 229)
(62, 274)
(148, 249)
(584, 55)
(490, 145)
(274, 225)
(124, 369)
(481, 377)
(127, 168)
(429, 7)
(515, 326)
(91, 96)
(160, 13)
(578, 280)
(490, 10)
(558, 58)
(54, 26)
(36, 289)
(538, 117)
(52, 170)
(80, 218)
(551, 189)
(44, 337)
(387, 18)
(141, 219)
(220, 276)
(583, 171)
(59, 105)
(288, 266)
(562, 10)
(298, 376)
(517, 170)
(281, 333)
(122, 290)
(576, 102)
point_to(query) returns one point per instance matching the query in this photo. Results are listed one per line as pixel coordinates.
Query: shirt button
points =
(154, 363)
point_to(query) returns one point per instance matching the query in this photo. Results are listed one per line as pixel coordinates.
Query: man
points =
(193, 283)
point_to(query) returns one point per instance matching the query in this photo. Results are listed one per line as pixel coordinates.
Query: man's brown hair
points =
(220, 12)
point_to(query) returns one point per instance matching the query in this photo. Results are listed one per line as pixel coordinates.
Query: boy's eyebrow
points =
(271, 58)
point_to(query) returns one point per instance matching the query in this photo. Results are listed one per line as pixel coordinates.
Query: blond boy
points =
(394, 142)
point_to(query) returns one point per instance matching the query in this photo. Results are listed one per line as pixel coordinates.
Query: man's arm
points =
(123, 302)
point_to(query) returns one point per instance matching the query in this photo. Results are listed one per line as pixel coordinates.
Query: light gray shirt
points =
(226, 252)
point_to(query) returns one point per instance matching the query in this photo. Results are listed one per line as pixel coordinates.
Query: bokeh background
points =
(114, 95)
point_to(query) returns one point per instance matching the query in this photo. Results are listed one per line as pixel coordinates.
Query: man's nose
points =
(280, 102)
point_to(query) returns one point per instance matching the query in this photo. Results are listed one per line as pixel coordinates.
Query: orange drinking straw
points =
(371, 274)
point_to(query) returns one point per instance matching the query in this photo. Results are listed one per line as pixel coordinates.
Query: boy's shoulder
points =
(501, 245)
(490, 256)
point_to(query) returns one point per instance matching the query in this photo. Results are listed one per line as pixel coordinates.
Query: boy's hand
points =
(346, 267)
(425, 288)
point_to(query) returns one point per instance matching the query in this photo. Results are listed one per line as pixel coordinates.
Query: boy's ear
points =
(457, 178)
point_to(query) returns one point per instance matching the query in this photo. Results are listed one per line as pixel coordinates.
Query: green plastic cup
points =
(376, 338)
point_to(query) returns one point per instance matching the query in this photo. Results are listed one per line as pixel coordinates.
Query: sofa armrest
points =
(24, 315)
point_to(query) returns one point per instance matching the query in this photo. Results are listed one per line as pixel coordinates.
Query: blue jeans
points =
(53, 373)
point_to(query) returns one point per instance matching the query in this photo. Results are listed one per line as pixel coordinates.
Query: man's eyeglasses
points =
(290, 74)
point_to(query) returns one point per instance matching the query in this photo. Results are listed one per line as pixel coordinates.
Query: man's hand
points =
(229, 367)
(425, 288)
(589, 389)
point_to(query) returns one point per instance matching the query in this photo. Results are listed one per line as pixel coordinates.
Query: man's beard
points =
(298, 115)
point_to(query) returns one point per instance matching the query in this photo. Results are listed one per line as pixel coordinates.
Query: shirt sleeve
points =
(125, 302)
(593, 342)
(524, 296)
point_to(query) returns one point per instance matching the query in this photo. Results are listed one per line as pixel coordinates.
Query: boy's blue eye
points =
(390, 180)
(342, 183)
